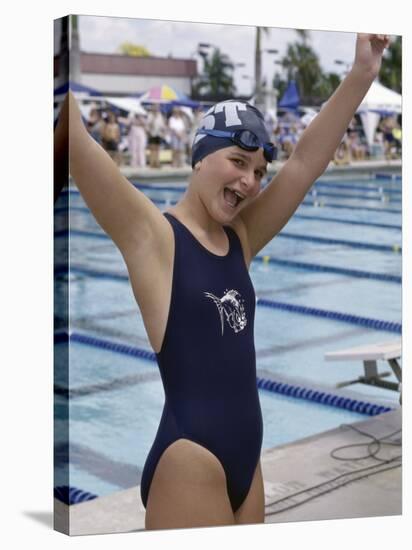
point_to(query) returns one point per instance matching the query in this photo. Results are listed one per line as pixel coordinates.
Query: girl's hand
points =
(369, 51)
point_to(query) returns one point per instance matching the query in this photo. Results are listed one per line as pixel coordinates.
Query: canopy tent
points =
(184, 101)
(379, 101)
(80, 91)
(290, 99)
(188, 112)
(308, 116)
(167, 95)
(129, 104)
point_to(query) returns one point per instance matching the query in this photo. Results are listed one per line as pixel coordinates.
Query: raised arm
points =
(124, 213)
(61, 150)
(274, 206)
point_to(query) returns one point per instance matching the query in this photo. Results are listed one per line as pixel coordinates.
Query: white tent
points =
(378, 100)
(309, 115)
(130, 104)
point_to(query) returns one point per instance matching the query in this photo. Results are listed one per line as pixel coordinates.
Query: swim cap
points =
(229, 116)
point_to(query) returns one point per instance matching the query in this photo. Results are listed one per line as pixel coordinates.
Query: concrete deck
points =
(297, 476)
(298, 468)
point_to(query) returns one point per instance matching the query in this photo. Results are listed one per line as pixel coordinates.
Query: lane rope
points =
(291, 390)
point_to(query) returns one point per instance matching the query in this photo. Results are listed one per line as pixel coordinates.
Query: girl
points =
(189, 272)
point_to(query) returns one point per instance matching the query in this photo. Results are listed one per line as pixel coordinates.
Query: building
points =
(121, 75)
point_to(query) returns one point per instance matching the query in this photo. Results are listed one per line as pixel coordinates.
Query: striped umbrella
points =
(159, 94)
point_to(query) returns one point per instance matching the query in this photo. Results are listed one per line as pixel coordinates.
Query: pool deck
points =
(301, 476)
(358, 167)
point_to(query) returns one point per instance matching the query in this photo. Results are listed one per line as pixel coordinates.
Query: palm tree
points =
(302, 65)
(391, 71)
(216, 82)
(279, 84)
(325, 87)
(304, 35)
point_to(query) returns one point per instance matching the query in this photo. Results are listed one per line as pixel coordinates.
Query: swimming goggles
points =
(246, 140)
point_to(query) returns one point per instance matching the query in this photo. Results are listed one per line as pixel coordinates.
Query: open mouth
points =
(233, 198)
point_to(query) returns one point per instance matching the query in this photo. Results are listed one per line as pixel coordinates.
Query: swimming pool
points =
(341, 252)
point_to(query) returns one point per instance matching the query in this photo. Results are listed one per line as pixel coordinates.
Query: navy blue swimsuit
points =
(207, 362)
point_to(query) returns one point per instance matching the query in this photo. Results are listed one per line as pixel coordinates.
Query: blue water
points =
(117, 400)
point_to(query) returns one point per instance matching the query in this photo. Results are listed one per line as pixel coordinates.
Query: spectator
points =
(156, 128)
(342, 154)
(378, 150)
(271, 122)
(137, 140)
(95, 125)
(288, 139)
(178, 137)
(356, 148)
(387, 126)
(397, 136)
(194, 125)
(352, 125)
(276, 139)
(111, 137)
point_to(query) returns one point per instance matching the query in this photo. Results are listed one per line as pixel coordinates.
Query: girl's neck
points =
(191, 210)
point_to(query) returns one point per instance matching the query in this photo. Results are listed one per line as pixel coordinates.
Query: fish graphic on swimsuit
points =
(230, 306)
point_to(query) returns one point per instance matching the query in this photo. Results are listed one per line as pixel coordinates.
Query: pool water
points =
(115, 400)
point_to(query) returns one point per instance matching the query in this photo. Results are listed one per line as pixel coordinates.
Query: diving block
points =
(369, 355)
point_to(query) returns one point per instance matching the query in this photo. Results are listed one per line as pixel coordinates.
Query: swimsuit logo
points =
(230, 307)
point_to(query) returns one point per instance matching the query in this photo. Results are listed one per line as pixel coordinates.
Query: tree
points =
(302, 65)
(325, 87)
(303, 35)
(216, 82)
(134, 50)
(391, 70)
(279, 84)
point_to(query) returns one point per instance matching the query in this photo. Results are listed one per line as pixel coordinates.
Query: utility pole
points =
(258, 70)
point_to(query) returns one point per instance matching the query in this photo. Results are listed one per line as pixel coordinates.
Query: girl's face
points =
(228, 180)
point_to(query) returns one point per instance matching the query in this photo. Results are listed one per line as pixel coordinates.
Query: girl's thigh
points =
(188, 489)
(252, 509)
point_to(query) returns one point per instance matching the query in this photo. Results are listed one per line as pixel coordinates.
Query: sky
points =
(100, 34)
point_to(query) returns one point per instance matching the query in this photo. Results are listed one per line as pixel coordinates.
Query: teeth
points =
(239, 196)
